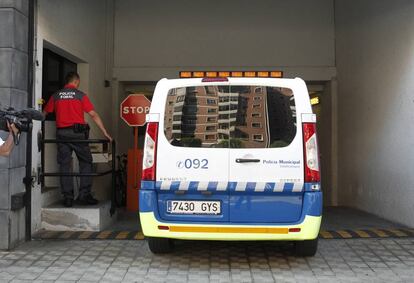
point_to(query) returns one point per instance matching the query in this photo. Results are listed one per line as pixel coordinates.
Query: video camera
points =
(22, 119)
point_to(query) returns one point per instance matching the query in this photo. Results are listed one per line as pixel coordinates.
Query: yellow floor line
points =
(362, 234)
(122, 235)
(85, 235)
(398, 232)
(49, 234)
(139, 236)
(344, 234)
(326, 235)
(380, 233)
(104, 234)
(66, 235)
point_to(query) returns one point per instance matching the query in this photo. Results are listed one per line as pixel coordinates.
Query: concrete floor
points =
(352, 260)
(334, 218)
(346, 218)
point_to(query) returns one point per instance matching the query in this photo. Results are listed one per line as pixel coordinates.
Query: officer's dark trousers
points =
(64, 158)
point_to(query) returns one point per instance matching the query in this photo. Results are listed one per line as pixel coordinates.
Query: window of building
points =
(224, 108)
(258, 90)
(211, 101)
(258, 138)
(271, 124)
(190, 109)
(180, 98)
(197, 123)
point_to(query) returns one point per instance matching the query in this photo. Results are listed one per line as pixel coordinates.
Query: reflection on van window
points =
(230, 116)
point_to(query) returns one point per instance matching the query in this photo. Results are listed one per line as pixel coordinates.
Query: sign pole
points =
(135, 156)
(133, 110)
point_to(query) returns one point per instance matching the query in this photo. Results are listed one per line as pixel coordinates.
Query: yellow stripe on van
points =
(309, 230)
(205, 229)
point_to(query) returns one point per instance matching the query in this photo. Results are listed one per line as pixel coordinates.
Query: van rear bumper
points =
(309, 224)
(309, 230)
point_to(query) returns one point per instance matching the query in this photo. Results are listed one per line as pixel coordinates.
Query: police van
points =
(231, 159)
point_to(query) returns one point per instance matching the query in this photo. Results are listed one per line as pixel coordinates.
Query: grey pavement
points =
(352, 260)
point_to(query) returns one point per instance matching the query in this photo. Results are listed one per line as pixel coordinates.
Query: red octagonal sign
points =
(134, 108)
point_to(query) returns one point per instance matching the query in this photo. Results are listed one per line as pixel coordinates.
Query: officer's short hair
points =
(71, 76)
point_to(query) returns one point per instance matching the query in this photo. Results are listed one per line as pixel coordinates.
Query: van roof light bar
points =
(234, 74)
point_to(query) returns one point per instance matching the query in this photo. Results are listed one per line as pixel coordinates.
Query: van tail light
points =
(310, 143)
(150, 152)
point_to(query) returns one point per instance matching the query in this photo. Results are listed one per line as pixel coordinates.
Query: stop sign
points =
(134, 108)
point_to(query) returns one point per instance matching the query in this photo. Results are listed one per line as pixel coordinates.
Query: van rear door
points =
(192, 156)
(266, 155)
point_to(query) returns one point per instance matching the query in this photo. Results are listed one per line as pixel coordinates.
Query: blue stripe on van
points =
(212, 186)
(288, 187)
(193, 186)
(269, 187)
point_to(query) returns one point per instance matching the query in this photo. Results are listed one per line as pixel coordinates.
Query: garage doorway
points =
(55, 68)
(320, 94)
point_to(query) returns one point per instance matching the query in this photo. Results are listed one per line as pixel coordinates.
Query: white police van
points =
(231, 159)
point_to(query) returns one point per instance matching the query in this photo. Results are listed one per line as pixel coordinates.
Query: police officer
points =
(69, 105)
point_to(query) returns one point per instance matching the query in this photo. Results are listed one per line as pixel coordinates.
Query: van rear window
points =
(230, 116)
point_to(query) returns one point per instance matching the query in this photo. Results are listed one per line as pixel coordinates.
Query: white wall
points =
(155, 39)
(82, 31)
(375, 63)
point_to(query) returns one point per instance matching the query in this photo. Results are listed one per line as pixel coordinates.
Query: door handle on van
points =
(246, 160)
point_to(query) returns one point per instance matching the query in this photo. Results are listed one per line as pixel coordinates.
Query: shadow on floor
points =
(346, 218)
(334, 218)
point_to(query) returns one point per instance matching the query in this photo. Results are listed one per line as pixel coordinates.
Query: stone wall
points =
(13, 91)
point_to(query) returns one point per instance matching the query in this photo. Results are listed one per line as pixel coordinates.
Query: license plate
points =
(193, 207)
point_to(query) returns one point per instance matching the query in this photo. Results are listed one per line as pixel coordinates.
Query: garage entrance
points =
(125, 47)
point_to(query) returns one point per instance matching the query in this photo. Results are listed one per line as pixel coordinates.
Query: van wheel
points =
(306, 248)
(160, 245)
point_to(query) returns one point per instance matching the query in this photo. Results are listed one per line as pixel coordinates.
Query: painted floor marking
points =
(344, 234)
(136, 235)
(362, 234)
(326, 235)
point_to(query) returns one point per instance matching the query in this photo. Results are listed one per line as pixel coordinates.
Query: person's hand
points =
(12, 128)
(108, 137)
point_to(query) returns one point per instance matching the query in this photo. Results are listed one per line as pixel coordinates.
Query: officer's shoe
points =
(87, 200)
(67, 202)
